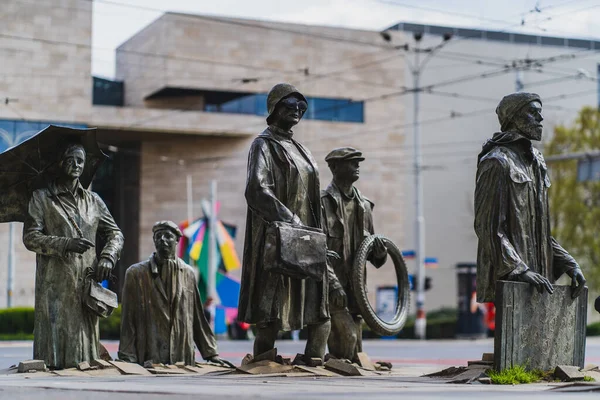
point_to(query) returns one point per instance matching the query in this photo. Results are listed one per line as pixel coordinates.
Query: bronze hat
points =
(167, 225)
(344, 154)
(278, 93)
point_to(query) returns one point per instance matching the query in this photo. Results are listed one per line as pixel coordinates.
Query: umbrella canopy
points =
(33, 163)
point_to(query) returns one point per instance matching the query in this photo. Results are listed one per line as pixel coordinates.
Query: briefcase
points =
(99, 300)
(296, 251)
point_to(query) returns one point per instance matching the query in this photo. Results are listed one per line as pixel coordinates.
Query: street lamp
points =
(416, 69)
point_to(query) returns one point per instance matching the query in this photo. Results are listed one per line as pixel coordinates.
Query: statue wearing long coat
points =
(512, 220)
(65, 333)
(282, 181)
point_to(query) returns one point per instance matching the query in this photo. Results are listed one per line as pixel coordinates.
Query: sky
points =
(114, 21)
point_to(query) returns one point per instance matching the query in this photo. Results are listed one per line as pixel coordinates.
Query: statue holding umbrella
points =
(44, 182)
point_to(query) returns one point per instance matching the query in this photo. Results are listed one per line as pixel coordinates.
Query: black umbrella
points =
(33, 163)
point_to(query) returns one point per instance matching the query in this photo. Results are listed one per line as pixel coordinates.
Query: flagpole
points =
(11, 265)
(212, 251)
(190, 201)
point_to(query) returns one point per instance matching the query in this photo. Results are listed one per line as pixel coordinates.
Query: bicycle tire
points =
(376, 324)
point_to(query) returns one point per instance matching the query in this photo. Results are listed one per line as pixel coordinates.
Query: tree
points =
(574, 205)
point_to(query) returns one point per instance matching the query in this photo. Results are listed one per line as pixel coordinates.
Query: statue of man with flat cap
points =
(512, 218)
(347, 220)
(162, 314)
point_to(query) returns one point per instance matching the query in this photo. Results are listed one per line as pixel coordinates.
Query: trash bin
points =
(471, 323)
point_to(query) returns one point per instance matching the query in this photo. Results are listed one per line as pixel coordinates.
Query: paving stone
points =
(487, 357)
(539, 330)
(265, 367)
(180, 364)
(130, 368)
(342, 368)
(470, 375)
(70, 372)
(313, 361)
(365, 361)
(568, 373)
(83, 366)
(267, 355)
(25, 366)
(485, 380)
(100, 364)
(193, 369)
(447, 372)
(590, 367)
(318, 371)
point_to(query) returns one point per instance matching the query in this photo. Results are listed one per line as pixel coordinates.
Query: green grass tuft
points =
(588, 379)
(514, 376)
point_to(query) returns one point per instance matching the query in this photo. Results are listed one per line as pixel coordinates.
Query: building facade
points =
(187, 100)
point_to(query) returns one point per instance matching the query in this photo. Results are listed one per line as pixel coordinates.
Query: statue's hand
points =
(577, 282)
(379, 248)
(332, 255)
(103, 269)
(338, 298)
(537, 280)
(220, 361)
(79, 245)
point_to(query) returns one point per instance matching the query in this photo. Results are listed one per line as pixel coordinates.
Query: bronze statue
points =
(512, 219)
(61, 228)
(162, 315)
(282, 186)
(347, 221)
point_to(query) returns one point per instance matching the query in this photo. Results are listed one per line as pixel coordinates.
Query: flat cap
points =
(167, 225)
(344, 154)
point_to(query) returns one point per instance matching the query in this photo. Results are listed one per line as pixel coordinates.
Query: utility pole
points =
(416, 69)
(11, 265)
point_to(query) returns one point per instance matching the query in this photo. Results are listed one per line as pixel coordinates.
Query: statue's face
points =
(73, 162)
(529, 121)
(290, 110)
(346, 170)
(165, 243)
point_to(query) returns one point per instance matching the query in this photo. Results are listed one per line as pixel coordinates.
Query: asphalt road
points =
(411, 359)
(398, 352)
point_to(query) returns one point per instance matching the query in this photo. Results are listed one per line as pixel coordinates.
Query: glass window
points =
(7, 134)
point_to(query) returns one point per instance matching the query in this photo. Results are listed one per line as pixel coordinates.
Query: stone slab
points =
(539, 331)
(83, 366)
(342, 368)
(266, 367)
(568, 373)
(365, 361)
(29, 365)
(318, 371)
(130, 368)
(101, 364)
(70, 372)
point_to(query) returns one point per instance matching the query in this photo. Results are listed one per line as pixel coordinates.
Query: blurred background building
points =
(189, 96)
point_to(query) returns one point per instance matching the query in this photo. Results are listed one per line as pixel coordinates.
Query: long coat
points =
(65, 333)
(337, 230)
(270, 297)
(154, 328)
(512, 219)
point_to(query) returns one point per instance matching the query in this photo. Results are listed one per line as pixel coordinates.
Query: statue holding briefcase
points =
(285, 277)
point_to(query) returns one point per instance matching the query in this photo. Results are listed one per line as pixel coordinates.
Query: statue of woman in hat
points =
(282, 185)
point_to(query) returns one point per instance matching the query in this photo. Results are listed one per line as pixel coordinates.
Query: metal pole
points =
(11, 264)
(190, 201)
(212, 251)
(420, 322)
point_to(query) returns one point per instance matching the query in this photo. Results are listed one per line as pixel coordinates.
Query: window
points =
(107, 93)
(319, 108)
(588, 169)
